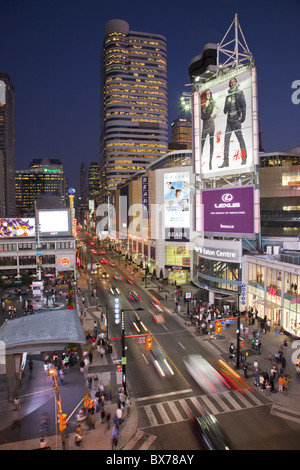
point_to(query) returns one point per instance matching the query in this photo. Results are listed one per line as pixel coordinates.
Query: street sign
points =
(117, 360)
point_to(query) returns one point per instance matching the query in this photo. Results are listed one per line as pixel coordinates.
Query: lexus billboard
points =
(229, 211)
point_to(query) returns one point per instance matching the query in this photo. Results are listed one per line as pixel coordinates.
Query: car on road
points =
(157, 305)
(111, 263)
(133, 295)
(205, 374)
(137, 322)
(160, 362)
(118, 277)
(211, 433)
(103, 261)
(101, 252)
(114, 290)
(158, 313)
(105, 275)
(130, 280)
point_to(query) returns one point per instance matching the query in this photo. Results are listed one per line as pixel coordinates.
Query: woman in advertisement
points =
(208, 105)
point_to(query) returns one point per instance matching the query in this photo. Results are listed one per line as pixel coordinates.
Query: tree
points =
(161, 274)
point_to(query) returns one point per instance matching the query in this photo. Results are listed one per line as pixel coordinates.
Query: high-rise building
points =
(182, 133)
(134, 107)
(83, 182)
(7, 144)
(94, 183)
(43, 177)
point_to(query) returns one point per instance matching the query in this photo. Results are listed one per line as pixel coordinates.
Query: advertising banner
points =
(229, 211)
(17, 228)
(64, 263)
(177, 205)
(54, 222)
(223, 130)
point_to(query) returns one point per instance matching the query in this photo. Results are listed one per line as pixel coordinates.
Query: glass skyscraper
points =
(133, 103)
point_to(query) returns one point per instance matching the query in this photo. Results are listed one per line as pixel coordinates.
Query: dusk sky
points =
(51, 50)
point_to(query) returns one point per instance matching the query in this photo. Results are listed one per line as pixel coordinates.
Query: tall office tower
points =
(182, 133)
(83, 182)
(133, 103)
(43, 177)
(7, 144)
(94, 183)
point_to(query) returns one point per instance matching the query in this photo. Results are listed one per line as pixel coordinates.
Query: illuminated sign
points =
(64, 263)
(17, 228)
(229, 211)
(54, 222)
(177, 205)
(224, 117)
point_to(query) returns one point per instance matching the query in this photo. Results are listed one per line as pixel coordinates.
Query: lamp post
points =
(123, 344)
(61, 416)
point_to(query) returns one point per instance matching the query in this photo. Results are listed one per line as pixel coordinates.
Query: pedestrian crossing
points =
(182, 409)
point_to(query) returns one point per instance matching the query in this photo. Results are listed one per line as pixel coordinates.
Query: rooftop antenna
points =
(236, 50)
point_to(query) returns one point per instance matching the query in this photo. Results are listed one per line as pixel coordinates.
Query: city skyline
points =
(52, 54)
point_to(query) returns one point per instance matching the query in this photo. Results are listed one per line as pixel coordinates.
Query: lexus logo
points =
(227, 197)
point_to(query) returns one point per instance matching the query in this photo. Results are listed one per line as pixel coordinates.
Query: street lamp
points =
(123, 344)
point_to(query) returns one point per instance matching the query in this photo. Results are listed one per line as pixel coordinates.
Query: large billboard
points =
(54, 222)
(225, 136)
(229, 211)
(17, 228)
(177, 205)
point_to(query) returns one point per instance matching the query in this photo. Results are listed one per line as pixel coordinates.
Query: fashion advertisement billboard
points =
(224, 129)
(177, 205)
(229, 211)
(17, 228)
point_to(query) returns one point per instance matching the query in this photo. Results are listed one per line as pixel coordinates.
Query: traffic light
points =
(149, 342)
(62, 421)
(242, 343)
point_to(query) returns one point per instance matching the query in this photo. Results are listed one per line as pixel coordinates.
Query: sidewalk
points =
(98, 438)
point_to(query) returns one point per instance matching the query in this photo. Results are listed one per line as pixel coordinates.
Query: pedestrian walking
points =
(286, 382)
(256, 375)
(259, 347)
(30, 365)
(128, 405)
(107, 419)
(61, 376)
(77, 439)
(268, 387)
(245, 370)
(272, 382)
(119, 415)
(280, 384)
(262, 382)
(114, 436)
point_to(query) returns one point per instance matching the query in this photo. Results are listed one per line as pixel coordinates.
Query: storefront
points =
(273, 291)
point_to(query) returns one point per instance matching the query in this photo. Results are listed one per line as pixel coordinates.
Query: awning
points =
(268, 304)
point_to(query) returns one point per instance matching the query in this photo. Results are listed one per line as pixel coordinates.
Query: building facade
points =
(43, 177)
(133, 107)
(181, 129)
(7, 145)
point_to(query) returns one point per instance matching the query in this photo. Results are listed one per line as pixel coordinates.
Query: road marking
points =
(160, 395)
(181, 345)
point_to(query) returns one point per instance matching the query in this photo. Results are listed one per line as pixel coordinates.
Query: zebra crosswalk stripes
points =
(182, 409)
(286, 413)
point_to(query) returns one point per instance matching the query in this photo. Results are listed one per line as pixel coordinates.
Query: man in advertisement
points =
(235, 108)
